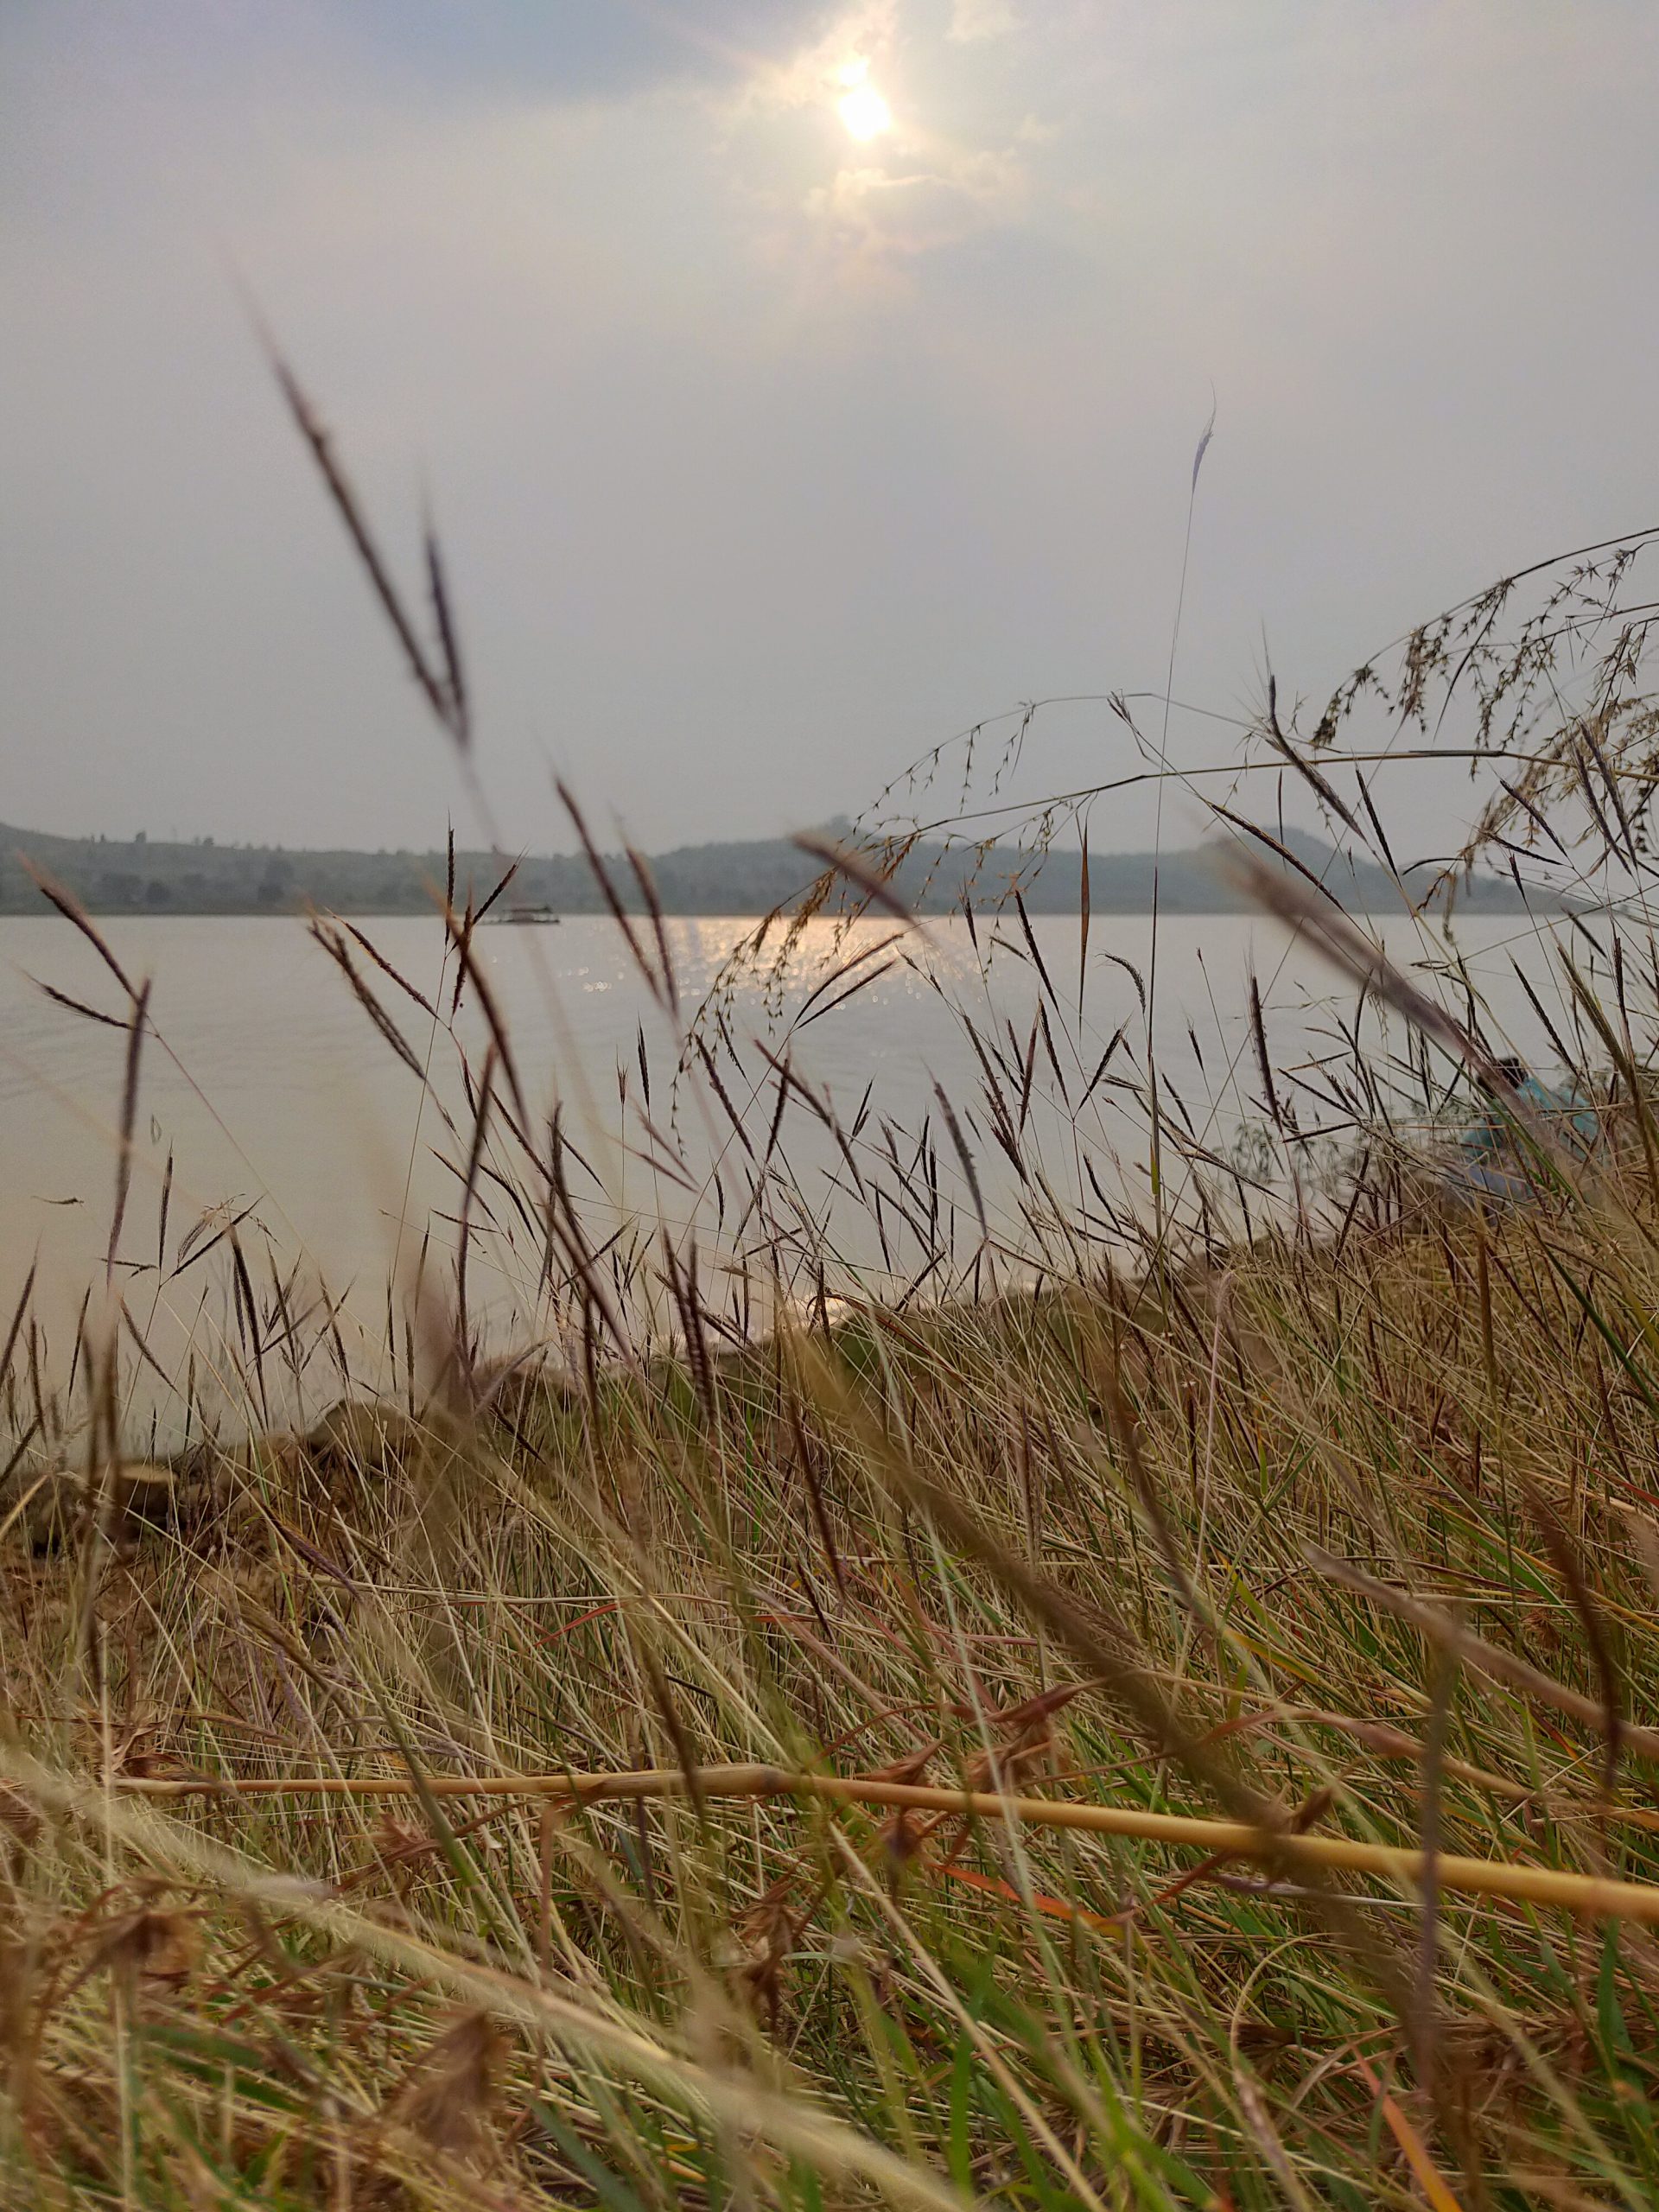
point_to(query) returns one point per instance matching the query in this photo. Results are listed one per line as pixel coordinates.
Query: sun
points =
(860, 107)
(864, 111)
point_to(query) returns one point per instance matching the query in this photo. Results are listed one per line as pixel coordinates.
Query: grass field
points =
(1342, 1531)
(1328, 1520)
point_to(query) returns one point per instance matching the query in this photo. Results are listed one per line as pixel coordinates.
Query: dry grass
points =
(1226, 1533)
(1330, 1521)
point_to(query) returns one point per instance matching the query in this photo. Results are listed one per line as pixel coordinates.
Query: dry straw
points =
(1591, 1895)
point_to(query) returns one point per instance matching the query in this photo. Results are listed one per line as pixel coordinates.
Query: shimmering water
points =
(271, 1090)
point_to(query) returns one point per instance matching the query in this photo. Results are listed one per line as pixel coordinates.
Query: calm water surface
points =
(271, 1089)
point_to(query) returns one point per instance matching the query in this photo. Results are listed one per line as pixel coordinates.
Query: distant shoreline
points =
(741, 917)
(110, 877)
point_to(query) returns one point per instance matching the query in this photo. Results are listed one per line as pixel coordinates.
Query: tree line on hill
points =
(139, 876)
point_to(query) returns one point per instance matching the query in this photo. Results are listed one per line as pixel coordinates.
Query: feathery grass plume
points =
(441, 686)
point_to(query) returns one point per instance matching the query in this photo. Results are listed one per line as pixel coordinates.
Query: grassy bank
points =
(1323, 1507)
(1353, 1535)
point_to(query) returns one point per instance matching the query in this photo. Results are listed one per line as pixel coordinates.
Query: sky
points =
(766, 454)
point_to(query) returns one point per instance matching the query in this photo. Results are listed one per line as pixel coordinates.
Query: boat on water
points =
(519, 916)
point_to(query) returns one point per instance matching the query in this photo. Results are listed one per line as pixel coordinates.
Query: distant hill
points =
(138, 876)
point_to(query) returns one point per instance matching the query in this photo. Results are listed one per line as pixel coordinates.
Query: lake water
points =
(269, 1088)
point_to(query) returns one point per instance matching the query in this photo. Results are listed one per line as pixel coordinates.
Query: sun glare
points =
(861, 108)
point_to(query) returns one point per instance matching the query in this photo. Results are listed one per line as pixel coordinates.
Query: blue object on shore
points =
(1491, 1165)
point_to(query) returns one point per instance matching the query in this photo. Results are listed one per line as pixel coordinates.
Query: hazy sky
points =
(766, 455)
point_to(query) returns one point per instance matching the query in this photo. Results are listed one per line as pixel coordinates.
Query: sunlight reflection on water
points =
(271, 1090)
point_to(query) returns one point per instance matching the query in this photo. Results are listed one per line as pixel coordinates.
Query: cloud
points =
(873, 214)
(565, 51)
(763, 455)
(951, 166)
(973, 20)
(866, 33)
(574, 49)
